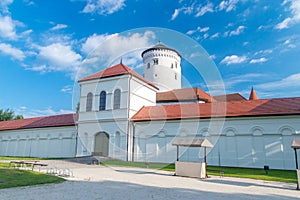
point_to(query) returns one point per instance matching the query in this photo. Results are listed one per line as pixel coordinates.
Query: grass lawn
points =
(273, 175)
(10, 177)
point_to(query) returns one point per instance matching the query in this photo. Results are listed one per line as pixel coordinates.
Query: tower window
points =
(172, 66)
(155, 61)
(176, 65)
(175, 76)
(148, 66)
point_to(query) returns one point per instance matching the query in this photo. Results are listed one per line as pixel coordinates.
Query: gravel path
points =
(98, 182)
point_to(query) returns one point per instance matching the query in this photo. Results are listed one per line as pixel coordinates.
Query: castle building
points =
(127, 116)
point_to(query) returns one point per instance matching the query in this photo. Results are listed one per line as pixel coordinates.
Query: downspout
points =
(76, 145)
(133, 141)
(128, 123)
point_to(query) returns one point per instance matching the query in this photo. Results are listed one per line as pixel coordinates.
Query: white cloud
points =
(103, 7)
(288, 82)
(118, 45)
(92, 42)
(284, 24)
(294, 8)
(29, 113)
(175, 14)
(227, 5)
(216, 35)
(238, 31)
(259, 60)
(58, 57)
(4, 5)
(201, 10)
(67, 89)
(198, 29)
(59, 26)
(12, 51)
(263, 52)
(233, 59)
(7, 28)
(110, 51)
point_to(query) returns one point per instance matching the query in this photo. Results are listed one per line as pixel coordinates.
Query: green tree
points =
(9, 114)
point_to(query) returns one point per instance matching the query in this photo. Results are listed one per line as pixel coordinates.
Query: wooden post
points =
(296, 158)
(205, 154)
(297, 167)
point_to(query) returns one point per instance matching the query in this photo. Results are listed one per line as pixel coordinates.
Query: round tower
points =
(162, 67)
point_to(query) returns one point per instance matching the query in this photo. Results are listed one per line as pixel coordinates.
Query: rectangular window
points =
(155, 61)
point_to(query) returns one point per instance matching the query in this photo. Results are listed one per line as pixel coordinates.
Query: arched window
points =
(89, 102)
(102, 100)
(117, 99)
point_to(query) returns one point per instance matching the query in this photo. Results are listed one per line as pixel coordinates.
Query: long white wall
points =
(241, 142)
(54, 142)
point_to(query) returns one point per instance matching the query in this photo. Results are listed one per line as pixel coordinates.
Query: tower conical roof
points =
(160, 46)
(253, 95)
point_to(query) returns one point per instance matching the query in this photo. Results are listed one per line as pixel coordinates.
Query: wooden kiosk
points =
(191, 169)
(295, 146)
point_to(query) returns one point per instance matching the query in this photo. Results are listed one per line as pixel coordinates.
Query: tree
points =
(9, 114)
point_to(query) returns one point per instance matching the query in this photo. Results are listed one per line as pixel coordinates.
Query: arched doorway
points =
(101, 145)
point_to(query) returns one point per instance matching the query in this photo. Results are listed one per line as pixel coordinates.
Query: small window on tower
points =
(175, 76)
(148, 66)
(176, 65)
(172, 66)
(155, 61)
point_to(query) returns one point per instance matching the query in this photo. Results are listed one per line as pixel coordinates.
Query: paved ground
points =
(98, 182)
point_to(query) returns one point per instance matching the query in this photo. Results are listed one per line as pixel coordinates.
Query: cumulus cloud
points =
(103, 7)
(294, 8)
(198, 29)
(237, 31)
(7, 28)
(233, 59)
(216, 35)
(92, 42)
(67, 89)
(201, 10)
(12, 51)
(57, 57)
(107, 52)
(227, 5)
(175, 14)
(59, 26)
(259, 60)
(4, 5)
(29, 113)
(118, 45)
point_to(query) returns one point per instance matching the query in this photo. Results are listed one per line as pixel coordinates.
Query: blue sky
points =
(43, 44)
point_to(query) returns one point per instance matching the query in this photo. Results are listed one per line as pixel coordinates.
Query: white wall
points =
(134, 94)
(241, 142)
(54, 142)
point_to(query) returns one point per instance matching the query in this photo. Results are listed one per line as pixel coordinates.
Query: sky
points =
(45, 46)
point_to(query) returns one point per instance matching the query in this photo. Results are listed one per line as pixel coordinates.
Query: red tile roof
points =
(265, 107)
(39, 122)
(230, 97)
(184, 94)
(116, 70)
(253, 95)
